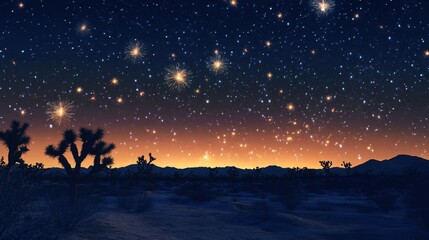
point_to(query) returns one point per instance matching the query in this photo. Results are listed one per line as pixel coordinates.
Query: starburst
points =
(60, 111)
(177, 78)
(218, 65)
(323, 7)
(134, 51)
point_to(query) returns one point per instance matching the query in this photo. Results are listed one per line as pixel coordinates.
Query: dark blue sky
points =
(356, 76)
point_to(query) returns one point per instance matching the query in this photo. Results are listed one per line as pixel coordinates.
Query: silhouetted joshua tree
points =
(101, 149)
(92, 144)
(16, 140)
(326, 165)
(347, 166)
(145, 166)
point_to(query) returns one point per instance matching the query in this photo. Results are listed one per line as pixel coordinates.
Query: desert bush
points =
(417, 201)
(260, 211)
(66, 217)
(213, 173)
(386, 200)
(197, 192)
(292, 200)
(301, 173)
(14, 198)
(140, 203)
(232, 173)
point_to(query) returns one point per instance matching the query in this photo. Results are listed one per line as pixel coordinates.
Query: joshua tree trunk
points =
(73, 190)
(74, 182)
(10, 162)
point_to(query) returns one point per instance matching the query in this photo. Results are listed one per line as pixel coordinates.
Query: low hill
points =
(401, 164)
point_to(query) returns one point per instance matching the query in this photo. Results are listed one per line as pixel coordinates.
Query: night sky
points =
(221, 83)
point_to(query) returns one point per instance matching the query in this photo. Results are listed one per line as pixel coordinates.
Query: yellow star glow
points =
(218, 65)
(114, 81)
(134, 51)
(82, 28)
(323, 7)
(177, 78)
(60, 111)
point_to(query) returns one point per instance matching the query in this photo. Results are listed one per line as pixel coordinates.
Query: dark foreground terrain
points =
(180, 207)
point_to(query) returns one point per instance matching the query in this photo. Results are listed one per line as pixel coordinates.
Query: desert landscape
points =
(220, 203)
(214, 119)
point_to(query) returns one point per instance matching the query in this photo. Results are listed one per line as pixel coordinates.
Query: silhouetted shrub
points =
(256, 173)
(66, 217)
(418, 203)
(292, 200)
(297, 172)
(197, 192)
(386, 200)
(232, 173)
(213, 173)
(260, 211)
(14, 198)
(140, 203)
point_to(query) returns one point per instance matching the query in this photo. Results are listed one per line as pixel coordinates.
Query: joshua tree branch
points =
(66, 164)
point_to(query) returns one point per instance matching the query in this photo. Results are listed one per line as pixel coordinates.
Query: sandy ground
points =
(244, 216)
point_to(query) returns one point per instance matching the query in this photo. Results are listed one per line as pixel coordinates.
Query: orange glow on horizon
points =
(198, 149)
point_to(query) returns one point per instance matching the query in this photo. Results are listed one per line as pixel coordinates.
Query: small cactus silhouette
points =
(326, 165)
(145, 166)
(37, 166)
(347, 166)
(2, 163)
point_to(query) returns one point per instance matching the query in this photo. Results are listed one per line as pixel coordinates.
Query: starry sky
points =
(300, 81)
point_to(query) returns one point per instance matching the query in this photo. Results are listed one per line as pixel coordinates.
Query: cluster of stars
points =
(223, 83)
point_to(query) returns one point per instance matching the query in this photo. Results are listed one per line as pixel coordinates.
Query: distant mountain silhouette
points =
(401, 164)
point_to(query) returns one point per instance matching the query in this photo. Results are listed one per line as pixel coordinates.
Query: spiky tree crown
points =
(92, 144)
(15, 137)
